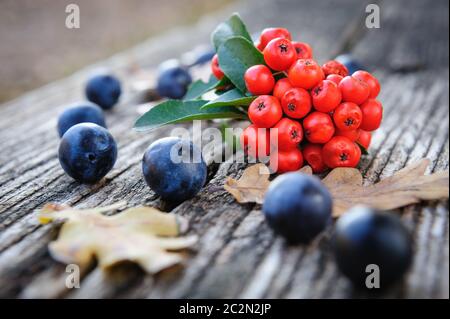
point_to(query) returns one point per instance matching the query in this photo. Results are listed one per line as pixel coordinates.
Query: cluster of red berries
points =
(321, 113)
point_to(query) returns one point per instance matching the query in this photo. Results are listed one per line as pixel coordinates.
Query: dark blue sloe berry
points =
(350, 62)
(203, 57)
(79, 113)
(174, 169)
(87, 152)
(297, 206)
(173, 82)
(104, 90)
(364, 237)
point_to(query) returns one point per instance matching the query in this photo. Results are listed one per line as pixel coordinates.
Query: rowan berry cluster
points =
(323, 114)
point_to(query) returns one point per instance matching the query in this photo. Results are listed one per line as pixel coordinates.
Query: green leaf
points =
(279, 76)
(231, 28)
(364, 150)
(223, 86)
(198, 88)
(176, 111)
(223, 82)
(233, 97)
(236, 55)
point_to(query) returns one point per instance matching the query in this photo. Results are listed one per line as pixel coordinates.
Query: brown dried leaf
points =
(252, 185)
(142, 235)
(306, 170)
(407, 186)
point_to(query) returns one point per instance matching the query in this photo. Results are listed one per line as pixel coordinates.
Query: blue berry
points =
(363, 237)
(174, 169)
(168, 64)
(198, 56)
(350, 62)
(297, 206)
(203, 57)
(173, 82)
(80, 113)
(104, 90)
(87, 152)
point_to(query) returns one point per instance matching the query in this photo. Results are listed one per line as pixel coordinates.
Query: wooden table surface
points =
(237, 254)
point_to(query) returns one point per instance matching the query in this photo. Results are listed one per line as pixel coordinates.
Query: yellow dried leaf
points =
(252, 185)
(407, 186)
(142, 235)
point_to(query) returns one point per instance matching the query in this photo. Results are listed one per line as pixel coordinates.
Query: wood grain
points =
(237, 254)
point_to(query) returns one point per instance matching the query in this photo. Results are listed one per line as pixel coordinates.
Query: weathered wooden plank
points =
(420, 135)
(129, 186)
(314, 281)
(41, 133)
(214, 273)
(413, 36)
(237, 254)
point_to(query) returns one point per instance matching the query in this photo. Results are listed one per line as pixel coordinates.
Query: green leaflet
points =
(175, 111)
(198, 88)
(230, 28)
(236, 55)
(233, 97)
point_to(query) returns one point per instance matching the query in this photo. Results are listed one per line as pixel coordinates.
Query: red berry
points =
(372, 81)
(290, 134)
(265, 111)
(259, 80)
(318, 127)
(334, 67)
(354, 90)
(255, 141)
(279, 54)
(341, 152)
(305, 73)
(215, 69)
(269, 34)
(357, 158)
(312, 153)
(364, 139)
(335, 78)
(352, 135)
(372, 112)
(281, 87)
(259, 46)
(347, 116)
(326, 96)
(296, 103)
(286, 161)
(304, 50)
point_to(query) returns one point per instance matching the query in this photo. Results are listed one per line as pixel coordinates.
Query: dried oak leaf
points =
(306, 170)
(142, 235)
(407, 186)
(252, 185)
